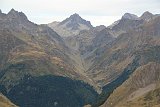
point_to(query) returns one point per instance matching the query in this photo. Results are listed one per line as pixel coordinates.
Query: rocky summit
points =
(73, 64)
(71, 26)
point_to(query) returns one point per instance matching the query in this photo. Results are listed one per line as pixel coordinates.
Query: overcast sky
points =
(99, 12)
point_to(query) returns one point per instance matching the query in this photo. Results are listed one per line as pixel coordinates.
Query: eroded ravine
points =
(81, 64)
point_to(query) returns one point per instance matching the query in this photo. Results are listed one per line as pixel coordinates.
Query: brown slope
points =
(141, 82)
(117, 55)
(35, 49)
(143, 42)
(4, 102)
(85, 44)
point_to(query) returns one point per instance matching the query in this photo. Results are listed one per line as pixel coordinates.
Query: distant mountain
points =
(15, 14)
(74, 21)
(130, 16)
(147, 16)
(71, 26)
(127, 22)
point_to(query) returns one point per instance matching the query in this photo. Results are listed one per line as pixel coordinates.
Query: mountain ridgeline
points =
(73, 64)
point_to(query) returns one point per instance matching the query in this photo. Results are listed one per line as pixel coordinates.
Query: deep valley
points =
(74, 64)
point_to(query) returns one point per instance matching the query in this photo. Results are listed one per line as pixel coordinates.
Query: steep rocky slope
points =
(71, 26)
(143, 42)
(36, 51)
(25, 42)
(114, 57)
(106, 59)
(147, 16)
(39, 68)
(127, 22)
(86, 46)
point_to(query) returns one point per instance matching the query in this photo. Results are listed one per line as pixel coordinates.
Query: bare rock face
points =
(130, 21)
(99, 28)
(74, 21)
(130, 16)
(126, 23)
(71, 26)
(15, 14)
(147, 16)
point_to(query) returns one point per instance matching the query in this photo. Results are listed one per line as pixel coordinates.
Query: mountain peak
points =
(75, 21)
(71, 25)
(15, 14)
(75, 15)
(147, 15)
(12, 11)
(130, 16)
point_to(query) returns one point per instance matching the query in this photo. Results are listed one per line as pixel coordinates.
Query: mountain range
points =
(73, 64)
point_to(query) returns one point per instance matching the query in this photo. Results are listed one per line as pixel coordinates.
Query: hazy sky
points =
(97, 11)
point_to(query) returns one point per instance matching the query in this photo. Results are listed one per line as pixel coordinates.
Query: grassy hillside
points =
(136, 89)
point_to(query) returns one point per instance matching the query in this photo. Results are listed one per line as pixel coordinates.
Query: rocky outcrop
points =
(130, 16)
(71, 26)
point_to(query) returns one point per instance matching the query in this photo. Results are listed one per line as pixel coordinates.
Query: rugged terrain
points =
(143, 44)
(33, 53)
(71, 26)
(71, 63)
